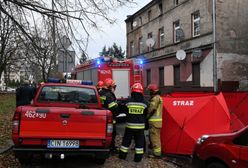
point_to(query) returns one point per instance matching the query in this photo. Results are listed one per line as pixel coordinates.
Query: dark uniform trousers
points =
(138, 135)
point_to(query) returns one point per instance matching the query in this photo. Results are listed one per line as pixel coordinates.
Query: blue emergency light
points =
(53, 80)
(98, 61)
(141, 62)
(87, 82)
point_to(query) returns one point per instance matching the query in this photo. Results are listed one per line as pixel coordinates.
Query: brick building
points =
(163, 28)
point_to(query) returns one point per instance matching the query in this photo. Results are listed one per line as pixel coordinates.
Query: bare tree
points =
(9, 45)
(73, 17)
(69, 14)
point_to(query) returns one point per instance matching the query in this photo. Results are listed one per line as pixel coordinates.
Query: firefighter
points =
(99, 86)
(136, 110)
(109, 102)
(25, 94)
(154, 117)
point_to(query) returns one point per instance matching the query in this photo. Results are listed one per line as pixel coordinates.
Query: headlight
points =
(202, 139)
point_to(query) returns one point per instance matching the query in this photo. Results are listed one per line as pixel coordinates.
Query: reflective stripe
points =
(139, 150)
(124, 149)
(135, 125)
(136, 104)
(155, 119)
(102, 99)
(110, 105)
(138, 107)
(157, 151)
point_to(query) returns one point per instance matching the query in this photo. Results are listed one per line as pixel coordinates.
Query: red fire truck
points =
(125, 73)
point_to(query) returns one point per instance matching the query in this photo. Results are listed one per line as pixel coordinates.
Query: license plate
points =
(63, 144)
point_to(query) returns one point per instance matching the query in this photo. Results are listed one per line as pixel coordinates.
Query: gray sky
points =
(113, 33)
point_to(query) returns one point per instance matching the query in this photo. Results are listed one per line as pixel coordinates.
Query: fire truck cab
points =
(125, 73)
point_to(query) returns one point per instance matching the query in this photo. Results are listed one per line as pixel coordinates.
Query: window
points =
(131, 48)
(176, 2)
(161, 37)
(65, 94)
(176, 75)
(160, 6)
(149, 36)
(242, 140)
(176, 26)
(196, 74)
(131, 25)
(161, 76)
(140, 45)
(149, 15)
(140, 21)
(148, 77)
(196, 24)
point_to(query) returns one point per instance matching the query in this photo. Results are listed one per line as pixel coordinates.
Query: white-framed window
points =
(161, 37)
(176, 26)
(131, 48)
(196, 24)
(176, 2)
(140, 45)
(140, 21)
(160, 6)
(149, 15)
(149, 36)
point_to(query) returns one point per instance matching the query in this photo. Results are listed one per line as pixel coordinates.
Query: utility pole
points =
(215, 82)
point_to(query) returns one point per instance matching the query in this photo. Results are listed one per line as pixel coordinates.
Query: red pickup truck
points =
(64, 119)
(228, 150)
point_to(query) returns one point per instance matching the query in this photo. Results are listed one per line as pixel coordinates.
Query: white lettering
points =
(33, 114)
(183, 103)
(105, 72)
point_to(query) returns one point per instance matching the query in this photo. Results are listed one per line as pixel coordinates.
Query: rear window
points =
(66, 94)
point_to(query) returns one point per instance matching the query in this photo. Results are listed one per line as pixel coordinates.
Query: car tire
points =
(24, 161)
(100, 161)
(216, 165)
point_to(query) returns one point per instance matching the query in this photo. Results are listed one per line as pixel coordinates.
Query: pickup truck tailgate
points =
(57, 122)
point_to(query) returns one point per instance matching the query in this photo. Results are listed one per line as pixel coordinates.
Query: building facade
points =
(185, 49)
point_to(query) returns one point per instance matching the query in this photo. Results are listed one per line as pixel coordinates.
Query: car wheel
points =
(24, 161)
(216, 165)
(100, 161)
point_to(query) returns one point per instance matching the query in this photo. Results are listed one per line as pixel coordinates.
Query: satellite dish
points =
(150, 42)
(181, 55)
(197, 53)
(134, 24)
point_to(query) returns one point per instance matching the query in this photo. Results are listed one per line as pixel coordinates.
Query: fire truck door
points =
(122, 79)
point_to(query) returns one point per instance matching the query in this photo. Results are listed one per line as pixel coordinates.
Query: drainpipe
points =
(215, 82)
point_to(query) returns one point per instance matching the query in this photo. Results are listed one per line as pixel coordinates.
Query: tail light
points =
(16, 123)
(109, 124)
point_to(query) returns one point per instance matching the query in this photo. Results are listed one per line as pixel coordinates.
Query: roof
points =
(146, 7)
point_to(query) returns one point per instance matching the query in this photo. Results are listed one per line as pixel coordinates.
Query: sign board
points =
(66, 61)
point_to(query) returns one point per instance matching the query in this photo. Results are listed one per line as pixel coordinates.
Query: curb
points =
(2, 151)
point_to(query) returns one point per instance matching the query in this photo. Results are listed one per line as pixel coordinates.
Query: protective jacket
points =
(155, 111)
(136, 114)
(110, 102)
(136, 111)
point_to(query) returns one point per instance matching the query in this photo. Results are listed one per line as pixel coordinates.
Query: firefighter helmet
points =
(153, 88)
(137, 87)
(100, 84)
(109, 83)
